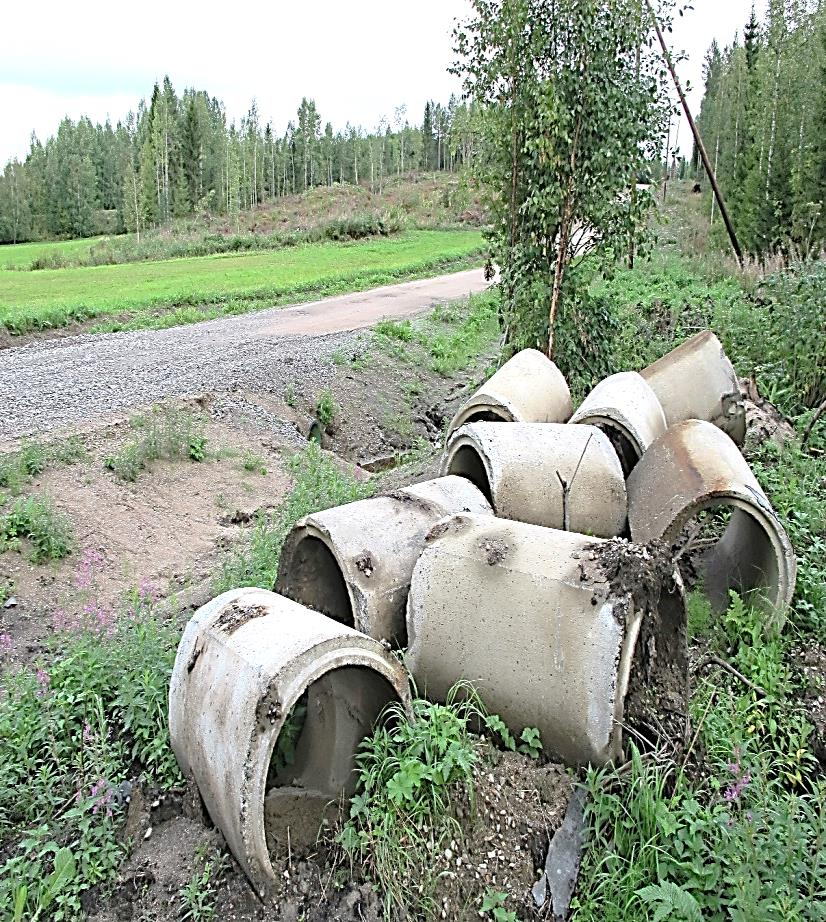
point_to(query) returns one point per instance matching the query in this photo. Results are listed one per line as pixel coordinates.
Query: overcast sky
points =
(358, 60)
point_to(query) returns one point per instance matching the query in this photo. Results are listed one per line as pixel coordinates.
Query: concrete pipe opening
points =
(551, 474)
(528, 388)
(316, 580)
(627, 410)
(743, 559)
(245, 661)
(354, 562)
(467, 462)
(694, 468)
(313, 769)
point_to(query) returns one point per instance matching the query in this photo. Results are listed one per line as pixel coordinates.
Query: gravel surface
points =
(48, 385)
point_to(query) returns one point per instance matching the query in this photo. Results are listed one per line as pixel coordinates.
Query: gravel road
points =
(66, 382)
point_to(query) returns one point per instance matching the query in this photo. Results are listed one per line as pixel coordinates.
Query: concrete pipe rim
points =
(461, 442)
(619, 427)
(308, 531)
(487, 410)
(777, 596)
(253, 828)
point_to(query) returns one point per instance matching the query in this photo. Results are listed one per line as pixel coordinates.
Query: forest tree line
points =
(179, 156)
(763, 123)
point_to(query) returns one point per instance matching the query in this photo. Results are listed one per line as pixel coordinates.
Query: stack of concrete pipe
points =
(513, 570)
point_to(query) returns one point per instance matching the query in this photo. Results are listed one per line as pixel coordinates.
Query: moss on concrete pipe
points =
(545, 624)
(693, 467)
(560, 476)
(697, 381)
(354, 562)
(244, 661)
(628, 411)
(528, 388)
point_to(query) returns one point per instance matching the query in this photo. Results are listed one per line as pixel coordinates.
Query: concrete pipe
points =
(528, 388)
(354, 562)
(693, 467)
(244, 661)
(544, 624)
(560, 476)
(628, 411)
(697, 381)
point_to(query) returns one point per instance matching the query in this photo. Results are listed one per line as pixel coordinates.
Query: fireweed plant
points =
(76, 733)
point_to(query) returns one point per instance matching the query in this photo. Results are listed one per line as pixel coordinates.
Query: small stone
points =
(147, 834)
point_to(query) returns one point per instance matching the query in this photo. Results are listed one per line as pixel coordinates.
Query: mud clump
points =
(656, 706)
(237, 615)
(495, 551)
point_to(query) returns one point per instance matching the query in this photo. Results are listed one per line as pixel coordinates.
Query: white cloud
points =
(359, 60)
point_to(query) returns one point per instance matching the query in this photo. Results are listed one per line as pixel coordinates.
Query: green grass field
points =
(182, 290)
(22, 255)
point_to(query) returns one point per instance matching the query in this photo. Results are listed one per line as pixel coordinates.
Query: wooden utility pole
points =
(700, 146)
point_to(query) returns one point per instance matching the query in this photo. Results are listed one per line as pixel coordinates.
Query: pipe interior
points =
(466, 462)
(310, 775)
(744, 560)
(623, 446)
(485, 416)
(314, 579)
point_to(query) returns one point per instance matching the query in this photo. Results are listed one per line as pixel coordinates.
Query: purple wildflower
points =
(42, 682)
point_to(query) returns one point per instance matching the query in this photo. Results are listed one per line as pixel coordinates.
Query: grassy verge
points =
(452, 336)
(178, 291)
(319, 483)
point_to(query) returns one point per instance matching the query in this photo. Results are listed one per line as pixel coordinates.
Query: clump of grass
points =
(253, 463)
(33, 458)
(319, 484)
(35, 520)
(396, 329)
(325, 408)
(168, 434)
(290, 396)
(72, 733)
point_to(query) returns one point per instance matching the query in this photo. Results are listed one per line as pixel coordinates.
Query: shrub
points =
(326, 408)
(36, 520)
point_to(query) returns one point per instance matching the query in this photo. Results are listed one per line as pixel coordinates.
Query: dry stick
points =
(718, 661)
(809, 429)
(566, 488)
(694, 130)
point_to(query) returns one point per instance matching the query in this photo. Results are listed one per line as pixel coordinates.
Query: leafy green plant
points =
(253, 463)
(325, 408)
(668, 901)
(411, 776)
(493, 904)
(290, 396)
(36, 520)
(197, 897)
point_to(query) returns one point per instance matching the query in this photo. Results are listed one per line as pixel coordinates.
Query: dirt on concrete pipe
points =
(580, 637)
